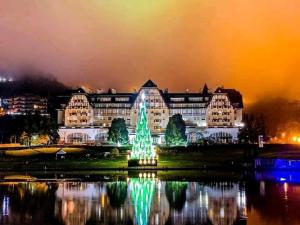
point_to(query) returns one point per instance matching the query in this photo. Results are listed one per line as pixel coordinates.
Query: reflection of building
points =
(142, 201)
(225, 203)
(25, 104)
(74, 202)
(216, 116)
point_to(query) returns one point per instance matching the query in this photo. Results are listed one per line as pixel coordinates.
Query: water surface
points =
(146, 199)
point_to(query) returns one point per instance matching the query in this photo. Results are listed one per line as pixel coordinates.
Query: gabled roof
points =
(150, 84)
(79, 90)
(234, 96)
(61, 152)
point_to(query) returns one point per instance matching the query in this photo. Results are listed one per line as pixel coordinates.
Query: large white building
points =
(86, 117)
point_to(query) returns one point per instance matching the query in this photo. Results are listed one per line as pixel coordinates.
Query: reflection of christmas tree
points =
(142, 143)
(141, 194)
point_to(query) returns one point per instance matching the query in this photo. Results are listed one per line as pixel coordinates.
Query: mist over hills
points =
(38, 84)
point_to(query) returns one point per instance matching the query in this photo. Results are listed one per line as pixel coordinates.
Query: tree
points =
(254, 126)
(12, 128)
(118, 133)
(175, 131)
(24, 139)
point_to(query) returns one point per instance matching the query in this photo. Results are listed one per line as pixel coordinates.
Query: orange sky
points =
(250, 45)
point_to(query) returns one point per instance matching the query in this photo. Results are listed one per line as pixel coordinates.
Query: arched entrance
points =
(221, 137)
(78, 138)
(100, 138)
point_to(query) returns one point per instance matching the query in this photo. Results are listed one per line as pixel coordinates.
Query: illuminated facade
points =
(25, 104)
(216, 116)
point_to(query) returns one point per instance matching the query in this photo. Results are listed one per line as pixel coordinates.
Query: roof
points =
(149, 84)
(61, 152)
(205, 89)
(79, 90)
(96, 98)
(204, 97)
(187, 97)
(234, 96)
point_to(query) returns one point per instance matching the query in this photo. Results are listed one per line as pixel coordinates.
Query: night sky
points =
(250, 45)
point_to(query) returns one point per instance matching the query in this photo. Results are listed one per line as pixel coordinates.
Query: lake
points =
(147, 198)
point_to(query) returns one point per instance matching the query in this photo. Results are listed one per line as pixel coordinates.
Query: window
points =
(195, 99)
(105, 99)
(177, 99)
(122, 99)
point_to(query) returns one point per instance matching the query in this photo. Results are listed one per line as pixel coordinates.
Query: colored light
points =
(141, 196)
(142, 144)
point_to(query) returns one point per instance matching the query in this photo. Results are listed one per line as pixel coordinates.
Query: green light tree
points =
(141, 195)
(142, 144)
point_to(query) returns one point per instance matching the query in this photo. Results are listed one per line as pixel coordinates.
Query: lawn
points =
(38, 159)
(88, 158)
(37, 151)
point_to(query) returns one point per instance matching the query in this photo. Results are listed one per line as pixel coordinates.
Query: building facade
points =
(25, 104)
(217, 116)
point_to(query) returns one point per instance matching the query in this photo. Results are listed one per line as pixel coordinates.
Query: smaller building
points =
(25, 104)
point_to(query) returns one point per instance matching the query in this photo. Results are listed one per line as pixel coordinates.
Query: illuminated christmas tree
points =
(142, 150)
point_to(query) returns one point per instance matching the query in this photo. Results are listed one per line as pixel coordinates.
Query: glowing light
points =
(142, 148)
(102, 200)
(285, 186)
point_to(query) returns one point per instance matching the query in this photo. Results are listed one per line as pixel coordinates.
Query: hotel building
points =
(86, 117)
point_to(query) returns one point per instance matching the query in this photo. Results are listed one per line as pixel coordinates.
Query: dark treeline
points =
(254, 125)
(23, 128)
(280, 115)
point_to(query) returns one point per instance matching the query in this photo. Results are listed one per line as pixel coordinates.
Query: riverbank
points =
(86, 158)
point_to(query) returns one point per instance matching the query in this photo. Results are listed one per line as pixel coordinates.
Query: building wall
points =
(107, 108)
(79, 112)
(194, 114)
(220, 112)
(211, 115)
(25, 104)
(158, 112)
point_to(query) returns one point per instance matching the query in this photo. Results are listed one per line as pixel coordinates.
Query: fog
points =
(250, 45)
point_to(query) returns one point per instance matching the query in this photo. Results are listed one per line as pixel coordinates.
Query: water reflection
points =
(150, 201)
(139, 201)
